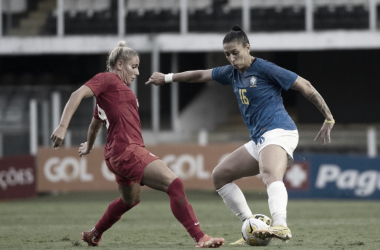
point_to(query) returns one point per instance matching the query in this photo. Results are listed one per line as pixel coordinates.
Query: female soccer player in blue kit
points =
(257, 84)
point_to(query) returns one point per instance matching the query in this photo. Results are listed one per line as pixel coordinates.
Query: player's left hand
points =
(83, 149)
(157, 78)
(324, 132)
(58, 136)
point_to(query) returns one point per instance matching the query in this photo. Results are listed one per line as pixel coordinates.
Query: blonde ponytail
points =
(121, 52)
(122, 44)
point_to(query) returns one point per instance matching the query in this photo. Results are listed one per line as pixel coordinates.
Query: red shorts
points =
(129, 166)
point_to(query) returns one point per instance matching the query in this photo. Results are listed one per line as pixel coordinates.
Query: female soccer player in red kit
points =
(125, 153)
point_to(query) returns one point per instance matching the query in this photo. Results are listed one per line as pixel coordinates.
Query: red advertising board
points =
(17, 177)
(63, 170)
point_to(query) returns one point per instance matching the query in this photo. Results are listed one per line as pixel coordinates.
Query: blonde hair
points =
(121, 52)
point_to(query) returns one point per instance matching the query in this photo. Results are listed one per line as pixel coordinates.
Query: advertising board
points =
(63, 170)
(17, 177)
(334, 176)
(310, 176)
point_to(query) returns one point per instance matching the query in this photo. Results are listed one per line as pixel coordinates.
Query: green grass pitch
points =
(55, 222)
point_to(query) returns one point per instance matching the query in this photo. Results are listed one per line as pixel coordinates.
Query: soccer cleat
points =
(280, 232)
(91, 240)
(209, 242)
(240, 241)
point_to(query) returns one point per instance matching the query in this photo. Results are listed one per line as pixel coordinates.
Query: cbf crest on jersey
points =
(253, 82)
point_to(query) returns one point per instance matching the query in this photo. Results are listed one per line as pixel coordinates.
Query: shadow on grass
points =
(151, 195)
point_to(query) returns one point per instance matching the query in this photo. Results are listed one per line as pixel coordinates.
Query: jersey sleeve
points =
(223, 74)
(97, 84)
(283, 77)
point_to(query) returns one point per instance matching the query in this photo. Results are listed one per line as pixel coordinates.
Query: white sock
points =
(234, 198)
(278, 200)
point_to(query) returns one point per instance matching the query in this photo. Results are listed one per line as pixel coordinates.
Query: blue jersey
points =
(258, 91)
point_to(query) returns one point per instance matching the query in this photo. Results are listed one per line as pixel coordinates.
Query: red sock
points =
(113, 213)
(182, 210)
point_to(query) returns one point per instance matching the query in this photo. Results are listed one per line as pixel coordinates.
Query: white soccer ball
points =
(256, 221)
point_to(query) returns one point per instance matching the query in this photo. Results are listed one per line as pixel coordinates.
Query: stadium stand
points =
(85, 17)
(5, 95)
(15, 112)
(341, 17)
(14, 106)
(13, 12)
(153, 16)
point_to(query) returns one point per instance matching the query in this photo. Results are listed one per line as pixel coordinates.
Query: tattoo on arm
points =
(315, 98)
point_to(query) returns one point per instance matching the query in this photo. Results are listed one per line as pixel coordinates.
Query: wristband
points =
(332, 121)
(169, 78)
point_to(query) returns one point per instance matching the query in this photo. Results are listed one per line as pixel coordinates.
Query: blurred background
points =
(49, 48)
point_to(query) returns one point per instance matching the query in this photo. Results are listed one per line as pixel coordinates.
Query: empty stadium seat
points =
(84, 17)
(341, 17)
(172, 5)
(14, 6)
(195, 5)
(135, 6)
(152, 16)
(101, 5)
(15, 112)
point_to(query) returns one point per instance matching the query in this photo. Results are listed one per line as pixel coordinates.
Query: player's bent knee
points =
(215, 176)
(130, 195)
(131, 202)
(219, 179)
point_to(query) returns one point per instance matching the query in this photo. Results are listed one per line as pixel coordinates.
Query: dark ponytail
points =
(236, 28)
(236, 34)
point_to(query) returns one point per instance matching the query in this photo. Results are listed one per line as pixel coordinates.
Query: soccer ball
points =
(256, 221)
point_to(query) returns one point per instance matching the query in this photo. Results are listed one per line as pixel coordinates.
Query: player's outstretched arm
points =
(310, 93)
(71, 106)
(86, 147)
(158, 78)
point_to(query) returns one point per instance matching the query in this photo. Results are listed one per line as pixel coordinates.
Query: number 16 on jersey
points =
(243, 98)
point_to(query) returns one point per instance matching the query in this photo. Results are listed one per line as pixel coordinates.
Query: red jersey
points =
(117, 107)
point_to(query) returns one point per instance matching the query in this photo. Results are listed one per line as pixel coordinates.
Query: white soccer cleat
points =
(280, 232)
(240, 241)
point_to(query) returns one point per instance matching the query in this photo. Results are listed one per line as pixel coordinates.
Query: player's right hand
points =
(324, 133)
(157, 78)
